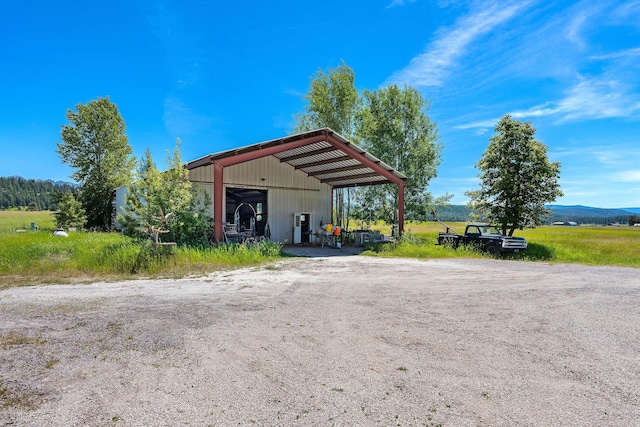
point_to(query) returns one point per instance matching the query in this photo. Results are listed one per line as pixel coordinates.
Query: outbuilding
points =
(284, 187)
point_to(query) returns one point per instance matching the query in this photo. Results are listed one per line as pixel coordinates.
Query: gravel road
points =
(357, 341)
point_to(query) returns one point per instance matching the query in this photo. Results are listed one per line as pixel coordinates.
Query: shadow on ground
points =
(311, 251)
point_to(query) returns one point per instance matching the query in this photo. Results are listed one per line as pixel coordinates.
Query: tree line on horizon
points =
(462, 213)
(33, 194)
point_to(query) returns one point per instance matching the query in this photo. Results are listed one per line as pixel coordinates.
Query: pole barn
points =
(285, 186)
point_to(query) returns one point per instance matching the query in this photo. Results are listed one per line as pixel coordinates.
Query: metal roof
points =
(322, 154)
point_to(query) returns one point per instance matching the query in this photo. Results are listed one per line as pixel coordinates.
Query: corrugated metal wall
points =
(119, 203)
(288, 191)
(203, 176)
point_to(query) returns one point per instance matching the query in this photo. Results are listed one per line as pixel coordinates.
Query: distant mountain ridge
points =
(588, 210)
(559, 213)
(58, 183)
(632, 210)
(590, 215)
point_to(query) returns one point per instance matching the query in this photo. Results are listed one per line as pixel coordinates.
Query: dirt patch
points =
(329, 341)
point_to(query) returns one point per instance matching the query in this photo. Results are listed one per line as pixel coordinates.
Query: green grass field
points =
(14, 220)
(617, 246)
(28, 256)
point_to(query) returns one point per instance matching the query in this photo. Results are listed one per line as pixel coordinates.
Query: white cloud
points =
(482, 124)
(627, 176)
(395, 3)
(596, 98)
(574, 27)
(431, 67)
(622, 54)
(627, 12)
(295, 92)
(609, 157)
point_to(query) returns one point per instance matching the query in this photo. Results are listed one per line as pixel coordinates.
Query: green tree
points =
(332, 102)
(393, 125)
(516, 178)
(634, 219)
(390, 123)
(70, 212)
(95, 144)
(166, 200)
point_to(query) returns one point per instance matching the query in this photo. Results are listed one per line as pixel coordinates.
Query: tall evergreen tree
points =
(70, 212)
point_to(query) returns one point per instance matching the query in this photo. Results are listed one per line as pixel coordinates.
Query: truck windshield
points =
(489, 229)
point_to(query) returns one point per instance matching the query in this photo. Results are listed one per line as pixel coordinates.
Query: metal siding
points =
(288, 191)
(283, 203)
(268, 172)
(203, 178)
(120, 203)
(201, 174)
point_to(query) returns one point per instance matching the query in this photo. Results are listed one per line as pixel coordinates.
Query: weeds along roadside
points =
(39, 257)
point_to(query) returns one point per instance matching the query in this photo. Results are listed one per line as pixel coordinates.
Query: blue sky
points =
(223, 74)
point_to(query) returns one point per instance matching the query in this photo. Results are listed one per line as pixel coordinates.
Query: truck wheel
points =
(492, 250)
(450, 242)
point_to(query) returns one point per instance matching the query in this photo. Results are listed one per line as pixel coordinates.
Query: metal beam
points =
(349, 177)
(323, 162)
(258, 152)
(363, 184)
(336, 170)
(376, 167)
(218, 190)
(401, 208)
(308, 154)
(357, 155)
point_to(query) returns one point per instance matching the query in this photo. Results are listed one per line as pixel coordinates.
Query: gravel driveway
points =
(341, 341)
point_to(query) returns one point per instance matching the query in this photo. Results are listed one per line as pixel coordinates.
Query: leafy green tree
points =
(516, 178)
(95, 144)
(394, 126)
(166, 200)
(333, 102)
(70, 212)
(390, 123)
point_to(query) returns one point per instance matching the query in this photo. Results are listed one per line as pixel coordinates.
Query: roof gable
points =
(322, 154)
